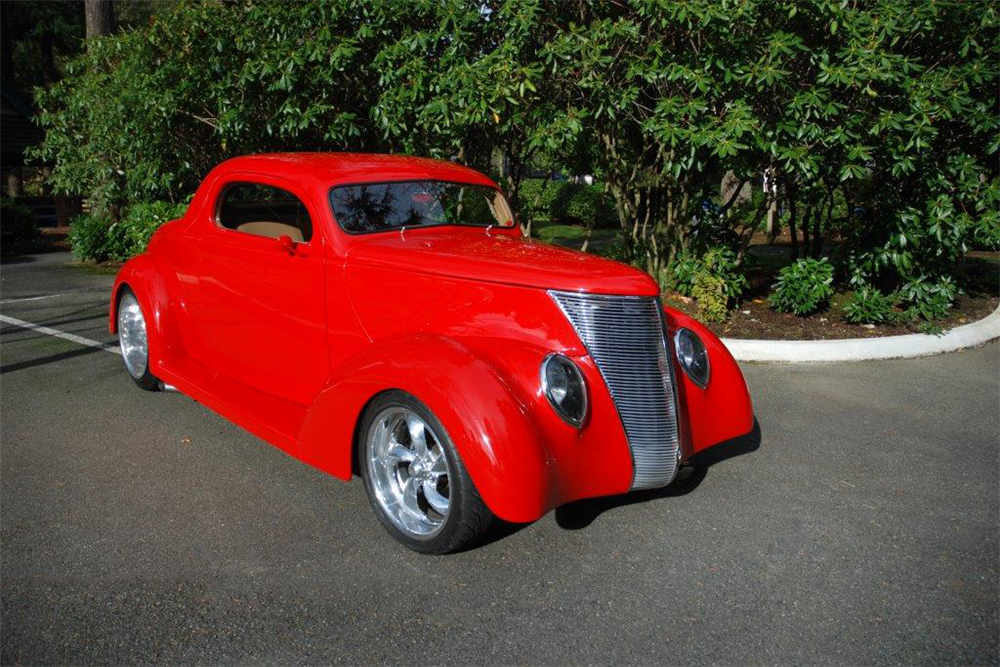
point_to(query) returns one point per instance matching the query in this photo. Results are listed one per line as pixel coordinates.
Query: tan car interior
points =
(272, 229)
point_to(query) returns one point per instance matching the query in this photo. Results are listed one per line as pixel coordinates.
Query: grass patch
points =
(552, 232)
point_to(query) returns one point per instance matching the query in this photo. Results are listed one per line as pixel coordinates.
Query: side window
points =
(264, 210)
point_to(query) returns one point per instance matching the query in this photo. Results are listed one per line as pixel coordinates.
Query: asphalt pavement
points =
(860, 527)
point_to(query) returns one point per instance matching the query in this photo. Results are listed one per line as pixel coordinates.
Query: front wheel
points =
(133, 341)
(415, 479)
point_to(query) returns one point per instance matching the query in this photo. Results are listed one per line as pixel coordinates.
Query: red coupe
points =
(383, 316)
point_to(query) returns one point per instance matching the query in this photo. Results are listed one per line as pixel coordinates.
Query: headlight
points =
(692, 356)
(563, 385)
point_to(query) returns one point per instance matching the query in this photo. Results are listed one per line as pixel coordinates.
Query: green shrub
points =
(566, 202)
(709, 290)
(803, 287)
(869, 306)
(88, 238)
(683, 271)
(130, 236)
(535, 198)
(984, 233)
(18, 230)
(619, 251)
(929, 300)
(715, 280)
(583, 204)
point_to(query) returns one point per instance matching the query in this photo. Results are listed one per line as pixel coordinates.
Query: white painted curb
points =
(866, 349)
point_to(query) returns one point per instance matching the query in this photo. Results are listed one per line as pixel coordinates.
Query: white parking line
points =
(80, 340)
(30, 298)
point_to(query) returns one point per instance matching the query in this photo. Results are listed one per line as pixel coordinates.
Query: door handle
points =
(286, 244)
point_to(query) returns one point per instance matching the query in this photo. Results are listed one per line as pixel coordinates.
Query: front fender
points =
(723, 409)
(491, 428)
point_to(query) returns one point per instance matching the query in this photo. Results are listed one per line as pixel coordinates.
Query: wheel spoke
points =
(439, 465)
(434, 498)
(404, 467)
(379, 434)
(398, 452)
(410, 494)
(418, 434)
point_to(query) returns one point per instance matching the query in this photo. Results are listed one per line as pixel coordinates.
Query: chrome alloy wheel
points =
(132, 336)
(409, 472)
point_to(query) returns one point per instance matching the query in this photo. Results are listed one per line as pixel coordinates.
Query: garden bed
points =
(755, 319)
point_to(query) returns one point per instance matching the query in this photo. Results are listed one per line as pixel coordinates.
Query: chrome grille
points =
(625, 337)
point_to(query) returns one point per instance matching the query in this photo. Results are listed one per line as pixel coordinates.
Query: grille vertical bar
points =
(625, 336)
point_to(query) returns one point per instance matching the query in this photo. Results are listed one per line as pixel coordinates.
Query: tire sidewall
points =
(147, 381)
(458, 481)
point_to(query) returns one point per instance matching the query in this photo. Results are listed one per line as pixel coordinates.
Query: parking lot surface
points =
(140, 527)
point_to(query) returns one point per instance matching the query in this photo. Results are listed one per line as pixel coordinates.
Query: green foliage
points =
(929, 300)
(95, 238)
(682, 273)
(869, 306)
(537, 195)
(880, 117)
(145, 114)
(984, 232)
(130, 236)
(715, 280)
(620, 251)
(39, 35)
(583, 204)
(18, 229)
(803, 287)
(88, 238)
(709, 291)
(566, 202)
(930, 328)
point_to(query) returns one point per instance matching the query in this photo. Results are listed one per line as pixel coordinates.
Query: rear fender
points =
(148, 282)
(490, 427)
(720, 411)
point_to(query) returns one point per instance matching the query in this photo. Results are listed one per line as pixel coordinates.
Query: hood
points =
(469, 253)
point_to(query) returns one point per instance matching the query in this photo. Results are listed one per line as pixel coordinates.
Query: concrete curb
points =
(866, 349)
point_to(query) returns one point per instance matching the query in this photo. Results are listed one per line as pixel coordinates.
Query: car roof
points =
(344, 168)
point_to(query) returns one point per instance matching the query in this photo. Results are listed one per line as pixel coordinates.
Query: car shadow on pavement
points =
(52, 358)
(581, 513)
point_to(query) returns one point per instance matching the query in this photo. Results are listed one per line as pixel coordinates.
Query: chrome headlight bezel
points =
(574, 375)
(688, 358)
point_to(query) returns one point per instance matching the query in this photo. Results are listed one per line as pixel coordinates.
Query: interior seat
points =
(272, 229)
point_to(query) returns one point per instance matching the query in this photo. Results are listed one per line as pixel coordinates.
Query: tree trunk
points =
(819, 234)
(791, 223)
(14, 182)
(772, 220)
(806, 218)
(100, 17)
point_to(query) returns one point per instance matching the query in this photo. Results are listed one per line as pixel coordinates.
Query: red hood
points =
(500, 258)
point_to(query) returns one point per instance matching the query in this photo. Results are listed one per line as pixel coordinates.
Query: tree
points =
(100, 17)
(877, 120)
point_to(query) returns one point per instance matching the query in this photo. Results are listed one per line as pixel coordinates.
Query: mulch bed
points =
(754, 318)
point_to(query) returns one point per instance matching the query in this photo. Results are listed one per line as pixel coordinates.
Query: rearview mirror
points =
(286, 243)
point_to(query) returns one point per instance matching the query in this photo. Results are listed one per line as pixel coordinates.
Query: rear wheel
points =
(415, 480)
(134, 342)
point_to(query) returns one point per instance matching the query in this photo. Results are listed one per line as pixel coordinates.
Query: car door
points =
(258, 303)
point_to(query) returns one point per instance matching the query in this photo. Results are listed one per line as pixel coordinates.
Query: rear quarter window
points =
(264, 210)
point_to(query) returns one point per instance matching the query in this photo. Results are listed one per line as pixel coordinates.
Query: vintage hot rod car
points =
(384, 316)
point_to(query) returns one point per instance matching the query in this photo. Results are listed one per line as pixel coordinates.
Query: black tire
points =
(468, 519)
(146, 380)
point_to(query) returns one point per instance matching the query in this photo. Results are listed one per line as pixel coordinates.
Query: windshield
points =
(380, 207)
